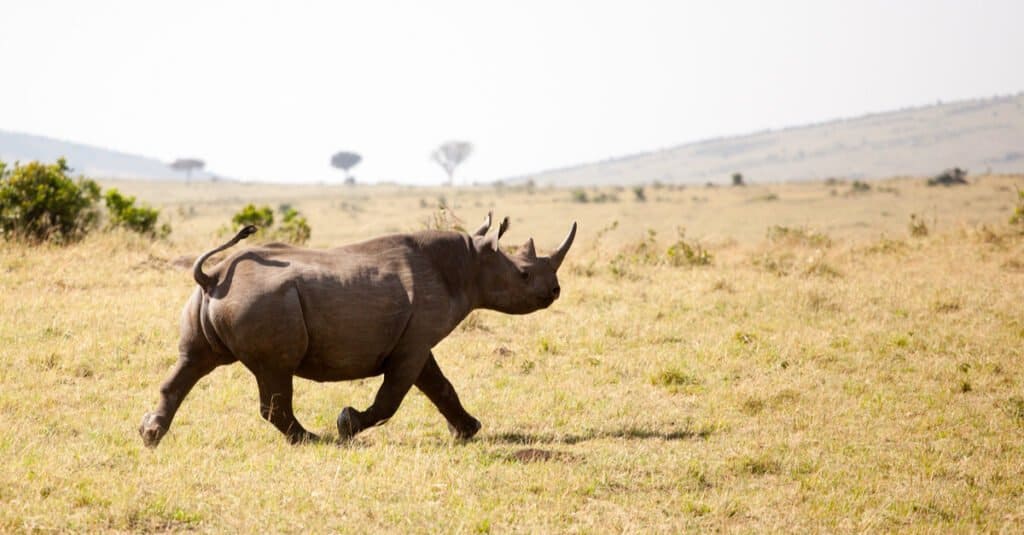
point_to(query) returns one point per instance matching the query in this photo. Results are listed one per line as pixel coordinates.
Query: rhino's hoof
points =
(150, 431)
(304, 437)
(348, 424)
(467, 432)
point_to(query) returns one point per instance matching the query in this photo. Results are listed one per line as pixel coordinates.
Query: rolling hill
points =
(981, 135)
(88, 160)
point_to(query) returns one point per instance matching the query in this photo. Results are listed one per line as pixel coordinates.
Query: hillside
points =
(86, 159)
(982, 135)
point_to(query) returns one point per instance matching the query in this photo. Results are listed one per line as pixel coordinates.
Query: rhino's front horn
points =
(559, 254)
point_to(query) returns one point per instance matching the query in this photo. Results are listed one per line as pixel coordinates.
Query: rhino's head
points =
(519, 283)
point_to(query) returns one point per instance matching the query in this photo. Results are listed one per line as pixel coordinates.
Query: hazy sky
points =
(269, 90)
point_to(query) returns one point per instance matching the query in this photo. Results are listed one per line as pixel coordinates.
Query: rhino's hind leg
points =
(276, 406)
(398, 379)
(189, 369)
(442, 394)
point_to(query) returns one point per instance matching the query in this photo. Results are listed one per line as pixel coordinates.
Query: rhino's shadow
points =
(629, 433)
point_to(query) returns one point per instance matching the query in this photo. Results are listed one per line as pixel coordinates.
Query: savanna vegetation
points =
(768, 358)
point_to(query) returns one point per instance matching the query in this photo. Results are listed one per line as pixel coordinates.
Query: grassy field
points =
(822, 368)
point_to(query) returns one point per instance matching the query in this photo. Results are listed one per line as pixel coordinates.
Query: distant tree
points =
(737, 179)
(187, 165)
(345, 161)
(450, 154)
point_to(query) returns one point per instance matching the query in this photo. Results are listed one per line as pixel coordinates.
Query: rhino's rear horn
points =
(559, 254)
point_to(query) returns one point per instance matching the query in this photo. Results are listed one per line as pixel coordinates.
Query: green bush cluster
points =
(802, 236)
(293, 228)
(648, 252)
(39, 202)
(1018, 211)
(684, 253)
(262, 217)
(918, 228)
(141, 219)
(949, 177)
(859, 186)
(580, 195)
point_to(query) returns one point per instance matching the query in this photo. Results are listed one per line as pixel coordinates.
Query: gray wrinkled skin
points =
(366, 309)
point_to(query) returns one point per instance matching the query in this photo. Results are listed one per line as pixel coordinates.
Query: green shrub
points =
(262, 217)
(918, 228)
(684, 253)
(782, 235)
(39, 202)
(859, 187)
(293, 228)
(1018, 211)
(443, 219)
(949, 177)
(647, 252)
(141, 219)
(638, 194)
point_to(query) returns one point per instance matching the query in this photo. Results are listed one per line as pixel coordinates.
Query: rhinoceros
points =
(361, 310)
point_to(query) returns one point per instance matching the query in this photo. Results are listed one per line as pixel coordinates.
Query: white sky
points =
(269, 90)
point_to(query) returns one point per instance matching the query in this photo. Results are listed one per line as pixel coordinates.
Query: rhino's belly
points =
(340, 367)
(351, 338)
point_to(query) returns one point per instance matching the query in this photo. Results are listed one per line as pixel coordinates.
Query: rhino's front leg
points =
(441, 393)
(402, 371)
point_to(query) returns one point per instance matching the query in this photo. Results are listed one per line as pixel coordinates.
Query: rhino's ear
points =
(482, 229)
(486, 243)
(503, 227)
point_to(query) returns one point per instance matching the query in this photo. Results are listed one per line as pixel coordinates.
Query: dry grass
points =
(845, 377)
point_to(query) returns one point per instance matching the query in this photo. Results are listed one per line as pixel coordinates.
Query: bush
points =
(783, 235)
(444, 219)
(859, 187)
(648, 252)
(917, 226)
(1018, 211)
(141, 219)
(638, 194)
(262, 217)
(579, 195)
(949, 177)
(39, 202)
(683, 253)
(293, 228)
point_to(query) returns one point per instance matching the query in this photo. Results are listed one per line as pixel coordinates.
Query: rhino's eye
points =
(525, 275)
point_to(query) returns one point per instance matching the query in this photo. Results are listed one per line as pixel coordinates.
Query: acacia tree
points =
(187, 165)
(346, 160)
(450, 154)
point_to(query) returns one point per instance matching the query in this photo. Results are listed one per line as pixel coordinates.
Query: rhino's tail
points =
(205, 281)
